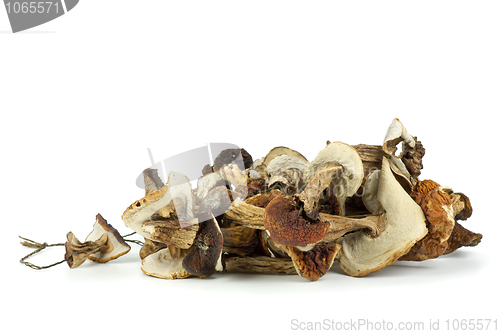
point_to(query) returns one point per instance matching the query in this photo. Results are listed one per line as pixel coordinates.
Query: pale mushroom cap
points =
(178, 186)
(281, 150)
(285, 162)
(404, 226)
(162, 265)
(116, 246)
(343, 155)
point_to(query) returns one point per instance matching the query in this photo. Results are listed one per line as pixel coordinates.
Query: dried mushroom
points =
(363, 205)
(404, 226)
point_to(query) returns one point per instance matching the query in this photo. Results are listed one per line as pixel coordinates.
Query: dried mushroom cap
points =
(281, 150)
(285, 162)
(404, 226)
(287, 226)
(77, 252)
(204, 257)
(115, 245)
(162, 265)
(177, 187)
(339, 154)
(315, 263)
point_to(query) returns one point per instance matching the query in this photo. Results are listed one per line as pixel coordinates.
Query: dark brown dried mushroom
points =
(230, 155)
(204, 256)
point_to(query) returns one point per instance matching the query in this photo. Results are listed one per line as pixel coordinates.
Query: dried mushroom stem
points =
(169, 232)
(340, 225)
(246, 215)
(253, 217)
(260, 264)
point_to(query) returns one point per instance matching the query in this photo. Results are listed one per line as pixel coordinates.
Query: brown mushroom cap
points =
(115, 245)
(315, 263)
(287, 226)
(204, 255)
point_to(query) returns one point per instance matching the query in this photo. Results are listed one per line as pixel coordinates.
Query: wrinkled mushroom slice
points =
(438, 211)
(115, 245)
(204, 256)
(281, 150)
(287, 170)
(77, 252)
(396, 133)
(286, 225)
(462, 237)
(320, 181)
(162, 265)
(404, 226)
(169, 232)
(260, 264)
(409, 161)
(315, 263)
(178, 186)
(349, 179)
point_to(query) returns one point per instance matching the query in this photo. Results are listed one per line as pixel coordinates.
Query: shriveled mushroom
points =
(77, 252)
(102, 245)
(343, 164)
(409, 162)
(204, 257)
(404, 226)
(115, 245)
(437, 208)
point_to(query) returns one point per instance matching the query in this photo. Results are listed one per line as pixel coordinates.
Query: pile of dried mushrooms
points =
(361, 205)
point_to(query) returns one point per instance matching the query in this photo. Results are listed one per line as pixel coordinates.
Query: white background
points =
(84, 96)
